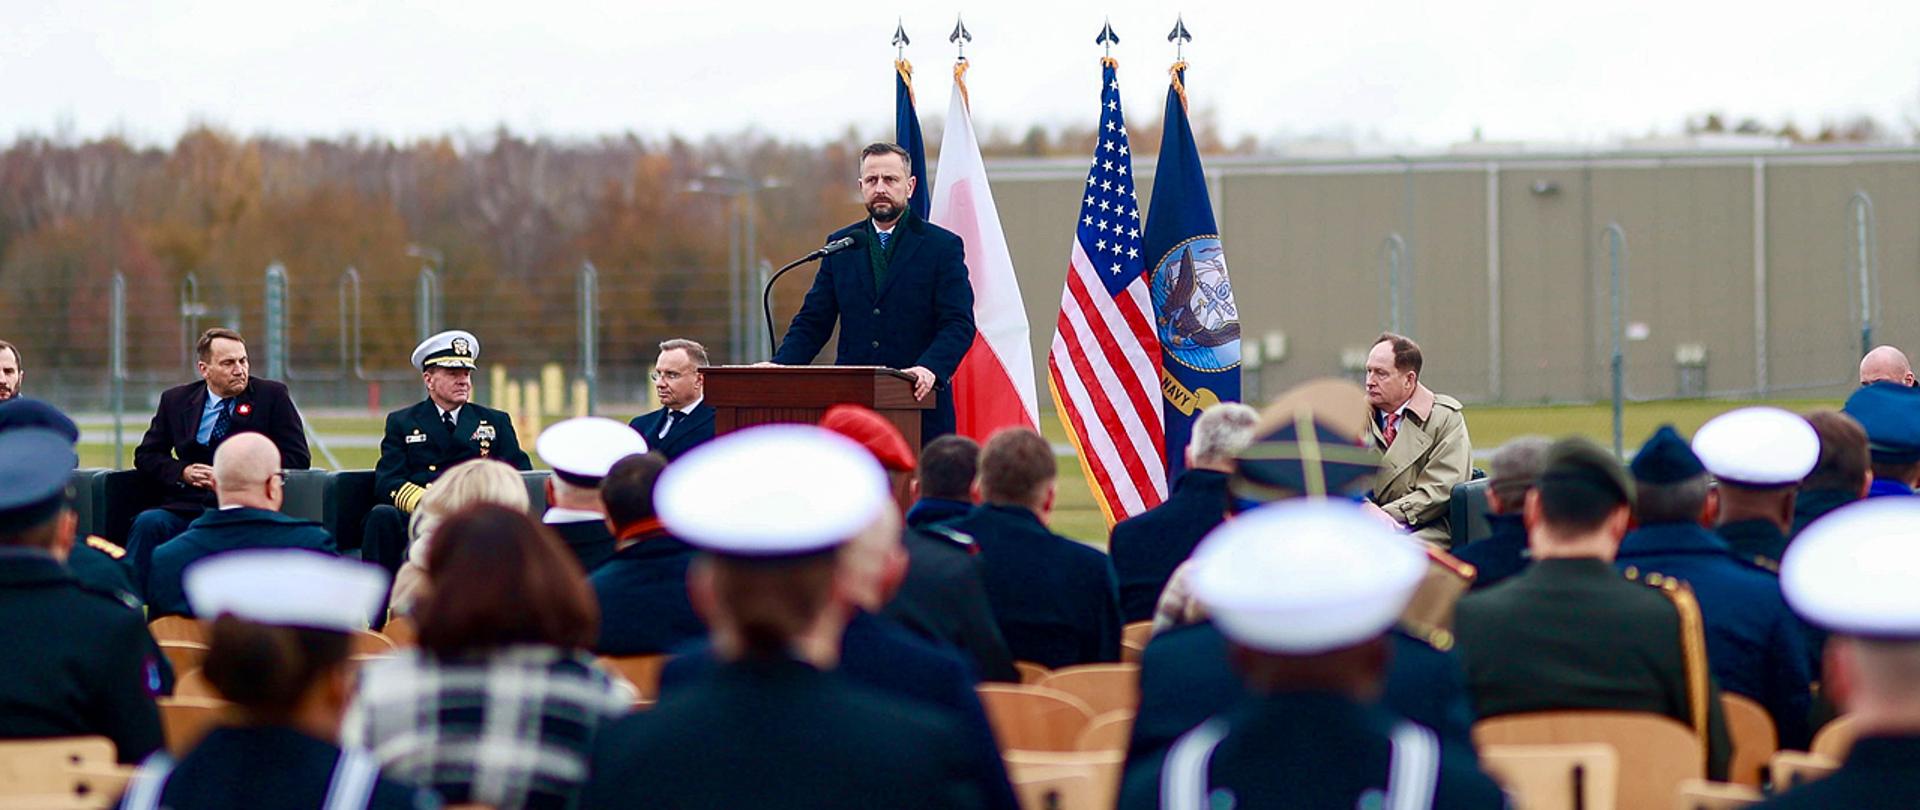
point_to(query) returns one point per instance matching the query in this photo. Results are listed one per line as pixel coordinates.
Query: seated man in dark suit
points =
(1570, 632)
(1503, 552)
(246, 478)
(684, 419)
(192, 420)
(1056, 599)
(1148, 546)
(581, 451)
(428, 438)
(771, 508)
(642, 589)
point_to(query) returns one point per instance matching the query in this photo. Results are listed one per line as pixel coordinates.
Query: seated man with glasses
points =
(684, 419)
(250, 488)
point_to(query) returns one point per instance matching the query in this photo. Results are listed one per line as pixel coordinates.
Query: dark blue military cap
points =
(21, 412)
(1890, 412)
(34, 466)
(1665, 458)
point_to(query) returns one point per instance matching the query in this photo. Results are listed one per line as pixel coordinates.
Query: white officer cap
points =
(1758, 447)
(582, 450)
(1306, 577)
(772, 491)
(454, 348)
(288, 587)
(1854, 570)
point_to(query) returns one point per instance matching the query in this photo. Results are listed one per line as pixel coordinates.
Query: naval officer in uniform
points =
(1305, 593)
(581, 451)
(1758, 456)
(426, 439)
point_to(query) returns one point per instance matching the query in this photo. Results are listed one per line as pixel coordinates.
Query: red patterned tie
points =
(1392, 429)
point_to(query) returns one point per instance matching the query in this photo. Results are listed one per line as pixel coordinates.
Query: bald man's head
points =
(1886, 364)
(872, 563)
(246, 472)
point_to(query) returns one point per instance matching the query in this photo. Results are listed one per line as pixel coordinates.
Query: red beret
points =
(873, 432)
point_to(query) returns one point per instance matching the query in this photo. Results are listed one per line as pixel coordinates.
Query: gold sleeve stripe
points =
(408, 496)
(1693, 648)
(100, 544)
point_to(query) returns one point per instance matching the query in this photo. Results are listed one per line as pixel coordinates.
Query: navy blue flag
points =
(1192, 301)
(906, 132)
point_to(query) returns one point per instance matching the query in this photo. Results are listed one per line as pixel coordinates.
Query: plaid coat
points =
(510, 728)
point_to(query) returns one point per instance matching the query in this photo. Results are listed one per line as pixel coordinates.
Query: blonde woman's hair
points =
(465, 484)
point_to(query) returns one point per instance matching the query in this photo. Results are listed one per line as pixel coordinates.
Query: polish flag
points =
(994, 386)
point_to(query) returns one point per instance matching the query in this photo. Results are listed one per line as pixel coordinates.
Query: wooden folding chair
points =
(1030, 672)
(1835, 739)
(369, 642)
(184, 656)
(1079, 780)
(1700, 794)
(1107, 731)
(195, 685)
(1754, 740)
(643, 671)
(1104, 687)
(59, 772)
(1133, 641)
(1033, 718)
(1656, 752)
(178, 628)
(1574, 776)
(188, 719)
(402, 632)
(1791, 769)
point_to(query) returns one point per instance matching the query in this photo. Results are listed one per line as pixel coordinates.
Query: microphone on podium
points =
(766, 293)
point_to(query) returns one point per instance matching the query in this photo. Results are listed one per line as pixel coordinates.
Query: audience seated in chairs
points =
(281, 631)
(498, 704)
(468, 483)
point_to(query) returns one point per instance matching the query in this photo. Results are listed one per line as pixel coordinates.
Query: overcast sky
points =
(1399, 71)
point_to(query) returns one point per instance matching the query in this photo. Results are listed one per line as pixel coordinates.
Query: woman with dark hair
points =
(500, 702)
(280, 637)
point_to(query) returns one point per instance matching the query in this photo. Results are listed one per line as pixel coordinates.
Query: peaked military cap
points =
(772, 491)
(287, 587)
(1758, 447)
(1853, 570)
(454, 348)
(34, 466)
(21, 412)
(582, 450)
(1890, 413)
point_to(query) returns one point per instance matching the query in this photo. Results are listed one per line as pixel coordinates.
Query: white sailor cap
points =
(772, 491)
(582, 450)
(1853, 571)
(1305, 577)
(1758, 447)
(288, 587)
(454, 348)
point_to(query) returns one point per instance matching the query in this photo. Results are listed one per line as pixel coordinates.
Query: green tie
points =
(878, 254)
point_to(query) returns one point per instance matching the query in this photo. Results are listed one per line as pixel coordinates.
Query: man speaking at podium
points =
(901, 294)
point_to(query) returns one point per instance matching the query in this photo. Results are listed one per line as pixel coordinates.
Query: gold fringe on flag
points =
(905, 69)
(1178, 86)
(960, 80)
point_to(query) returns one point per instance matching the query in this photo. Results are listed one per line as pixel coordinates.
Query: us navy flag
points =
(1192, 301)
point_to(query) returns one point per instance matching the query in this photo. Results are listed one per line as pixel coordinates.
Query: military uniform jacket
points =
(80, 662)
(920, 315)
(1754, 642)
(1056, 600)
(878, 654)
(1881, 773)
(417, 448)
(1310, 750)
(779, 733)
(589, 541)
(688, 433)
(1757, 541)
(1148, 546)
(1575, 634)
(172, 439)
(942, 598)
(1501, 554)
(218, 531)
(1185, 678)
(271, 768)
(642, 592)
(1431, 453)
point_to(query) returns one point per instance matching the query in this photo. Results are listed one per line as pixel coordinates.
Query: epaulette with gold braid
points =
(105, 546)
(1459, 567)
(1693, 645)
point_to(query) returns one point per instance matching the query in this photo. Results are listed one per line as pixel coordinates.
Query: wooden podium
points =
(744, 396)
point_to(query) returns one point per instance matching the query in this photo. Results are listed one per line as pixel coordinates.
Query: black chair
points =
(88, 486)
(536, 481)
(348, 500)
(123, 494)
(1467, 512)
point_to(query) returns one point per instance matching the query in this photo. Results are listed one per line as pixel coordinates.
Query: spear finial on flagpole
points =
(1179, 37)
(1107, 37)
(900, 40)
(960, 37)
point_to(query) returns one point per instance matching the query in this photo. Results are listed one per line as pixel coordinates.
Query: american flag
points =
(1104, 367)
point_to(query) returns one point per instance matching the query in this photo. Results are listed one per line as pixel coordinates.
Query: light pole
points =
(743, 331)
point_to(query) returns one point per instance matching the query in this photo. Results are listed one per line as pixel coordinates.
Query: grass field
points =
(353, 441)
